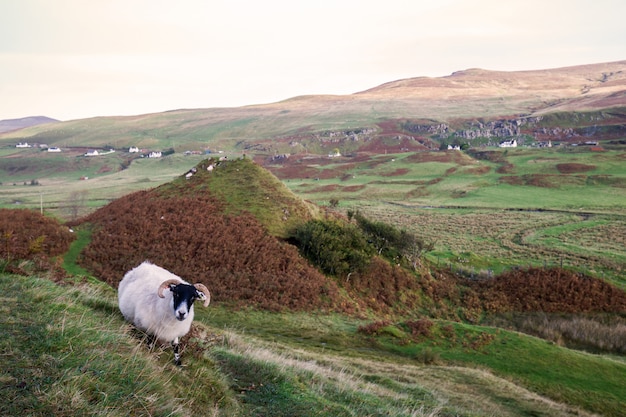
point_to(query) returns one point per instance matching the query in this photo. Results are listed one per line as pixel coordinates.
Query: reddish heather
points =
(233, 256)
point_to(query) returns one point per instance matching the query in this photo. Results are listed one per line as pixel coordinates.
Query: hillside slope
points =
(68, 350)
(227, 227)
(463, 95)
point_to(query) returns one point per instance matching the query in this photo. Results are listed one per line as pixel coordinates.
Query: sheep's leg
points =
(176, 353)
(151, 340)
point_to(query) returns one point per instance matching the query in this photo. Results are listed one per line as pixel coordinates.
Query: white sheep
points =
(166, 315)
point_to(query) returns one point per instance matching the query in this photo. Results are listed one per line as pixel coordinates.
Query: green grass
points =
(589, 381)
(58, 189)
(246, 187)
(67, 351)
(70, 264)
(314, 364)
(449, 184)
(545, 368)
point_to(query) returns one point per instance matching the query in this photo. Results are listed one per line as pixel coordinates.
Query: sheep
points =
(190, 173)
(164, 315)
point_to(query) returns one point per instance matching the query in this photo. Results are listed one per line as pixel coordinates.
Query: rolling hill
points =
(439, 106)
(8, 125)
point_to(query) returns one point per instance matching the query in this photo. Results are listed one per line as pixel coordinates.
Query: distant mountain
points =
(586, 101)
(8, 125)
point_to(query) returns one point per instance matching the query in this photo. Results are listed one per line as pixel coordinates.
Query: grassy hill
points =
(452, 100)
(245, 187)
(69, 351)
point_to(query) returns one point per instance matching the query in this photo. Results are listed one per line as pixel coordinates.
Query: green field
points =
(485, 218)
(511, 208)
(532, 181)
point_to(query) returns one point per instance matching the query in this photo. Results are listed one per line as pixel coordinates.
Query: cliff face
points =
(566, 126)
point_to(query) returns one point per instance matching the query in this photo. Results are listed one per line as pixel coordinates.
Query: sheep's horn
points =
(166, 284)
(204, 290)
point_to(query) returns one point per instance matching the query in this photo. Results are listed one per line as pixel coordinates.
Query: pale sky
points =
(72, 59)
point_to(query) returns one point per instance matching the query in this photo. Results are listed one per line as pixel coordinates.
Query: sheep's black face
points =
(184, 295)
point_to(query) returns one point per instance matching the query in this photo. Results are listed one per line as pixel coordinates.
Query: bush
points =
(549, 290)
(373, 328)
(427, 356)
(27, 234)
(336, 248)
(390, 242)
(420, 328)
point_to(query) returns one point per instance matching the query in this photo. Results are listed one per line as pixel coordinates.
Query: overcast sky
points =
(71, 59)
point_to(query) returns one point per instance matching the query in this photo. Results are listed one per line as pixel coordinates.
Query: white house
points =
(23, 145)
(92, 153)
(155, 154)
(133, 149)
(509, 144)
(54, 149)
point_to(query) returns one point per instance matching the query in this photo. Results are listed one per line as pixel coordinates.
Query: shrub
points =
(420, 328)
(427, 356)
(549, 290)
(27, 234)
(392, 243)
(29, 239)
(336, 248)
(373, 328)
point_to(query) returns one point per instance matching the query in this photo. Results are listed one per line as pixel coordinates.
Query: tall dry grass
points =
(580, 332)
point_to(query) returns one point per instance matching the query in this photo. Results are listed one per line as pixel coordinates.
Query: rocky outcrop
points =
(556, 127)
(439, 129)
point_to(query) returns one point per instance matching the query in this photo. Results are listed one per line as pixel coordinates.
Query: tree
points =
(76, 202)
(414, 248)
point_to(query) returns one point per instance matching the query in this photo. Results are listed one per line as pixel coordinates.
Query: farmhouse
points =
(508, 144)
(133, 149)
(155, 154)
(92, 153)
(54, 149)
(23, 145)
(334, 154)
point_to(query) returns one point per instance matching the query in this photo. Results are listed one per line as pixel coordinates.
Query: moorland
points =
(508, 300)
